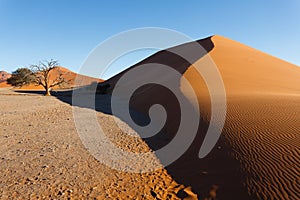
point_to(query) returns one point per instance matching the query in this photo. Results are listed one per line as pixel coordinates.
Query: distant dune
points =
(68, 75)
(3, 77)
(4, 84)
(258, 155)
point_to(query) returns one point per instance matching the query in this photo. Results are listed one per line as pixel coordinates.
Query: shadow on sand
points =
(216, 172)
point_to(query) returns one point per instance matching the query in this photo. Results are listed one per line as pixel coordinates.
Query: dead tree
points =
(42, 73)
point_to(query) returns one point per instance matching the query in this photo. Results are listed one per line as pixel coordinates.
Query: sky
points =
(67, 31)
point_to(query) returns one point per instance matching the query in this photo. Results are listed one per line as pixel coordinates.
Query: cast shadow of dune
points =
(217, 170)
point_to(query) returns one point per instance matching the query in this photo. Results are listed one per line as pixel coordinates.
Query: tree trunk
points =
(47, 93)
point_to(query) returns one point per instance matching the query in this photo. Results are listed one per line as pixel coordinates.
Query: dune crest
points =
(246, 70)
(257, 155)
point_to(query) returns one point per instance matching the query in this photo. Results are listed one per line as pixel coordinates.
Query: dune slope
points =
(3, 77)
(258, 153)
(262, 118)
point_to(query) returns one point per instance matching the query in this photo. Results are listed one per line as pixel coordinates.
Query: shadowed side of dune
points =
(261, 94)
(203, 175)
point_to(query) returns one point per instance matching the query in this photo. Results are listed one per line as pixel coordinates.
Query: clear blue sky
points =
(35, 30)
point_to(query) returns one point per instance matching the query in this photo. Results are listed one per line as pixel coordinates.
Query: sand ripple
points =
(264, 134)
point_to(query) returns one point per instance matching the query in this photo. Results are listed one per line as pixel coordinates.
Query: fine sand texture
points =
(265, 139)
(263, 118)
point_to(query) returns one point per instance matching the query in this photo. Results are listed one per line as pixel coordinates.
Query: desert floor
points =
(42, 157)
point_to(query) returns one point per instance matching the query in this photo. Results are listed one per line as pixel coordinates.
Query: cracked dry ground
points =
(42, 157)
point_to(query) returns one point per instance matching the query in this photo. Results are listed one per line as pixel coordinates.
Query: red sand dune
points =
(258, 155)
(4, 84)
(3, 77)
(68, 75)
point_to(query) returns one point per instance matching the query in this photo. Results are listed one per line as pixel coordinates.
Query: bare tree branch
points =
(46, 74)
(42, 73)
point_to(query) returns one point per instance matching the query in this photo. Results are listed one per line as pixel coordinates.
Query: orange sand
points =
(256, 157)
(258, 153)
(68, 75)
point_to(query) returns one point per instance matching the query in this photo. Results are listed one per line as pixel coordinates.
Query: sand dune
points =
(262, 118)
(256, 157)
(246, 70)
(261, 134)
(3, 77)
(68, 75)
(264, 134)
(4, 84)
